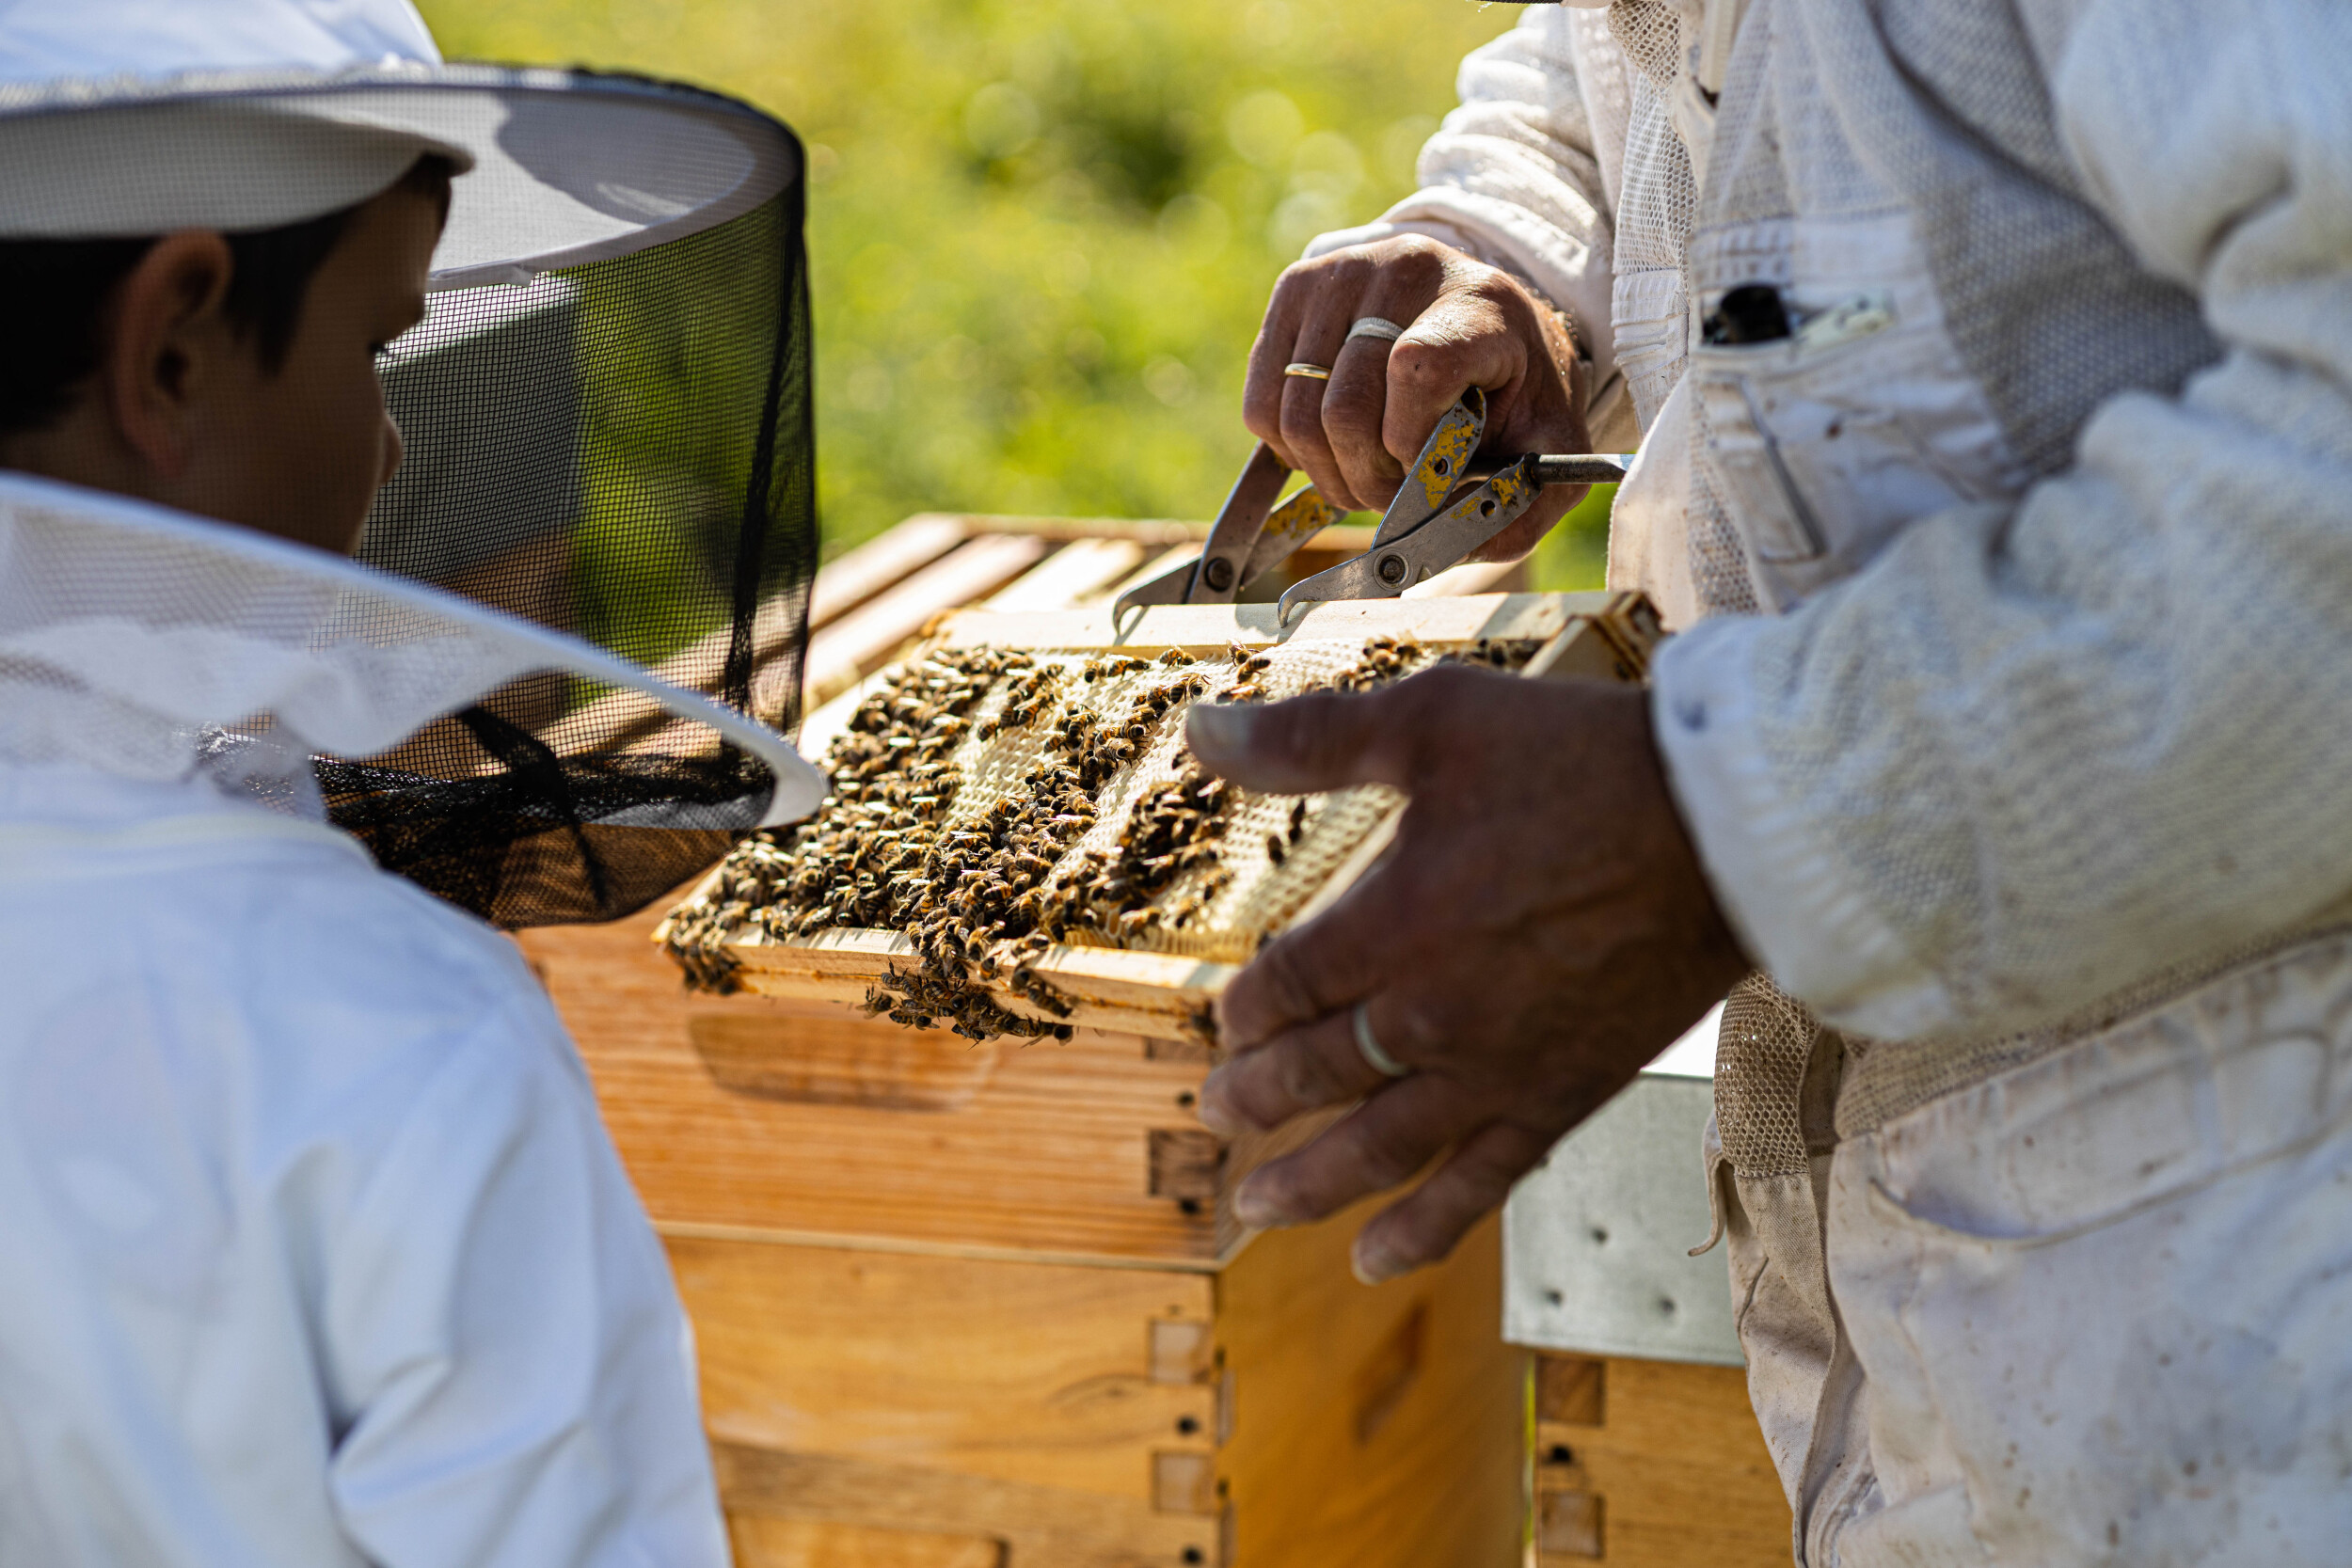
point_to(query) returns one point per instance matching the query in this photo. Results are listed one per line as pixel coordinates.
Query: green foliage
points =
(672, 433)
(1042, 231)
(1575, 554)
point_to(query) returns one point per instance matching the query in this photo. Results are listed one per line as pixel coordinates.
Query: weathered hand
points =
(1540, 929)
(1467, 324)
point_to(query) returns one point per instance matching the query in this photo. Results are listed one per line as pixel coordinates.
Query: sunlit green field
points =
(1042, 233)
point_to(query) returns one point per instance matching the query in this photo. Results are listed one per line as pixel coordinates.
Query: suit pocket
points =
(1768, 508)
(1828, 435)
(1816, 444)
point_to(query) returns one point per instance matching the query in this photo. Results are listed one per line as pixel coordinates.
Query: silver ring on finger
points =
(1369, 1047)
(1311, 370)
(1375, 326)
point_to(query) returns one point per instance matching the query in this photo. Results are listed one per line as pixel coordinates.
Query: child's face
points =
(182, 411)
(301, 452)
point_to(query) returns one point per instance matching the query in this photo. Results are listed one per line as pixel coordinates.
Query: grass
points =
(1042, 233)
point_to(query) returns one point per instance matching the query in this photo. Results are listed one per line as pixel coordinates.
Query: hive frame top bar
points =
(1625, 622)
(1208, 628)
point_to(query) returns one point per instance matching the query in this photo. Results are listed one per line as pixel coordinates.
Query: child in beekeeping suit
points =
(316, 1250)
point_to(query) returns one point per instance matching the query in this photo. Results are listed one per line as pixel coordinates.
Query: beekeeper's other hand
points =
(1540, 930)
(1465, 324)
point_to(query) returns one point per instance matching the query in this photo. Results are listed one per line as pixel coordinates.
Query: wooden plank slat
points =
(632, 718)
(858, 575)
(1077, 571)
(866, 638)
(1156, 531)
(621, 717)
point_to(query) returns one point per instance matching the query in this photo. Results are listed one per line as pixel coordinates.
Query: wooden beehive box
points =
(1646, 1452)
(983, 1303)
(1650, 1464)
(976, 1303)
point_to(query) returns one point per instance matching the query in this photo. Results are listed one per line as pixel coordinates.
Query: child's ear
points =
(169, 346)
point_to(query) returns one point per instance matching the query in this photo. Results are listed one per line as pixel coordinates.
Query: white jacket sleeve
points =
(504, 1337)
(2028, 757)
(1514, 176)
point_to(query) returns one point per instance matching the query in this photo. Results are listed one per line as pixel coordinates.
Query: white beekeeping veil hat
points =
(608, 456)
(139, 117)
(110, 131)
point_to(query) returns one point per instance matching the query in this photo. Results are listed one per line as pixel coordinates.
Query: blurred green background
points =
(1042, 231)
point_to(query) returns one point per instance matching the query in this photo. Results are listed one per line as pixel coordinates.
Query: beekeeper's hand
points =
(1465, 324)
(1541, 929)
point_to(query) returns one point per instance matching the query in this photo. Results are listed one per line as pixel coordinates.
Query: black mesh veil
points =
(620, 449)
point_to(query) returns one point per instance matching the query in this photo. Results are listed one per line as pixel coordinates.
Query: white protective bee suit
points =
(315, 1249)
(2007, 720)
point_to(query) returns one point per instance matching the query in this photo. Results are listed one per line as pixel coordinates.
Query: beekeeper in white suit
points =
(1993, 370)
(316, 1251)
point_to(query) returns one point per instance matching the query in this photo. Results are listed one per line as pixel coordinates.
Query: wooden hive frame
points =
(1602, 635)
(984, 1306)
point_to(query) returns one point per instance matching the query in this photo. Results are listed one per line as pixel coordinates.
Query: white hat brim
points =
(566, 167)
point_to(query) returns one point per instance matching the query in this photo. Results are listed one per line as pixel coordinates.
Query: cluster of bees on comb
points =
(851, 863)
(977, 893)
(1170, 833)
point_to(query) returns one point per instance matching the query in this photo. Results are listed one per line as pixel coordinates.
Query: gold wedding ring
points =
(1313, 373)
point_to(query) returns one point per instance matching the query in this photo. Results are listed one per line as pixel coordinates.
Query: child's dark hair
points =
(59, 292)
